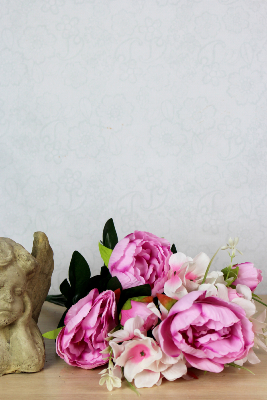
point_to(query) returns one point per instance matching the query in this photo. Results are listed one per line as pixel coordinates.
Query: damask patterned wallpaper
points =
(150, 112)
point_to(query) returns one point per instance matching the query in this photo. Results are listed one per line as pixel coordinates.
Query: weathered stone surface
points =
(24, 283)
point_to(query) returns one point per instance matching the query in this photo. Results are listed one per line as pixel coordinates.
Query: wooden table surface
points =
(59, 380)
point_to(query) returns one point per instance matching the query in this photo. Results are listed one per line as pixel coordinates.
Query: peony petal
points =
(79, 310)
(185, 303)
(219, 313)
(204, 364)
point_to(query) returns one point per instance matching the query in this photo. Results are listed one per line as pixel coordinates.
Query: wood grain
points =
(60, 381)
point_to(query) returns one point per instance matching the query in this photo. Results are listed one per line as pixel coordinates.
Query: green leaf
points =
(52, 334)
(79, 275)
(105, 253)
(114, 284)
(110, 238)
(142, 290)
(173, 249)
(58, 299)
(66, 289)
(230, 274)
(166, 301)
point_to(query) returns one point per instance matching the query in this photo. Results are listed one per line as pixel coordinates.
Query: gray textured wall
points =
(150, 112)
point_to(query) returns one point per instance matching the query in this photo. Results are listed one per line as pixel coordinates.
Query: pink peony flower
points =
(209, 331)
(139, 306)
(141, 258)
(87, 324)
(248, 275)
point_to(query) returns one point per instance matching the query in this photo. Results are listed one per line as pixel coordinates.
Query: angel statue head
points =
(24, 283)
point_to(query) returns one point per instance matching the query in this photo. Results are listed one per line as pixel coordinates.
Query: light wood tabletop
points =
(61, 381)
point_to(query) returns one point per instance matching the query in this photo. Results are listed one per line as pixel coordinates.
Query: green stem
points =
(254, 298)
(207, 270)
(230, 267)
(240, 367)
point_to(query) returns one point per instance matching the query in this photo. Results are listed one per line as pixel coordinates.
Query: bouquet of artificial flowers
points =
(154, 313)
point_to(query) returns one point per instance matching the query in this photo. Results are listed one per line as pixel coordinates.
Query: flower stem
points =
(254, 298)
(207, 270)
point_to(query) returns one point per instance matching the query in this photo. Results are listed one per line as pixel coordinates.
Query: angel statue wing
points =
(39, 284)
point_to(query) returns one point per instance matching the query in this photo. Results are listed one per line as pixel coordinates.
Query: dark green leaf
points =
(94, 283)
(143, 290)
(114, 284)
(110, 238)
(66, 289)
(61, 322)
(79, 275)
(58, 299)
(173, 249)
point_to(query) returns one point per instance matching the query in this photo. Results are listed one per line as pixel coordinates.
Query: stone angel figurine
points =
(25, 280)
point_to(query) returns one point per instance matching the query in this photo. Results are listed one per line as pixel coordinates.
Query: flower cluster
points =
(161, 313)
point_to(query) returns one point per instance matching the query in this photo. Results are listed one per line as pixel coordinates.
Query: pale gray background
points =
(150, 112)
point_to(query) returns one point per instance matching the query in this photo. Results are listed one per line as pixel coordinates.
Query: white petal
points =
(116, 382)
(109, 384)
(236, 240)
(164, 312)
(155, 332)
(262, 316)
(245, 291)
(191, 286)
(152, 307)
(103, 371)
(146, 379)
(258, 342)
(117, 372)
(159, 382)
(241, 362)
(222, 291)
(215, 277)
(209, 288)
(252, 358)
(200, 263)
(175, 371)
(247, 305)
(103, 380)
(177, 259)
(117, 349)
(133, 323)
(170, 360)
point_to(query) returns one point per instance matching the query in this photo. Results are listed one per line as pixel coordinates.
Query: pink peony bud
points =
(139, 306)
(248, 275)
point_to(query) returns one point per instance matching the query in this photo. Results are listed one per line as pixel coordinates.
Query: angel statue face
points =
(12, 288)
